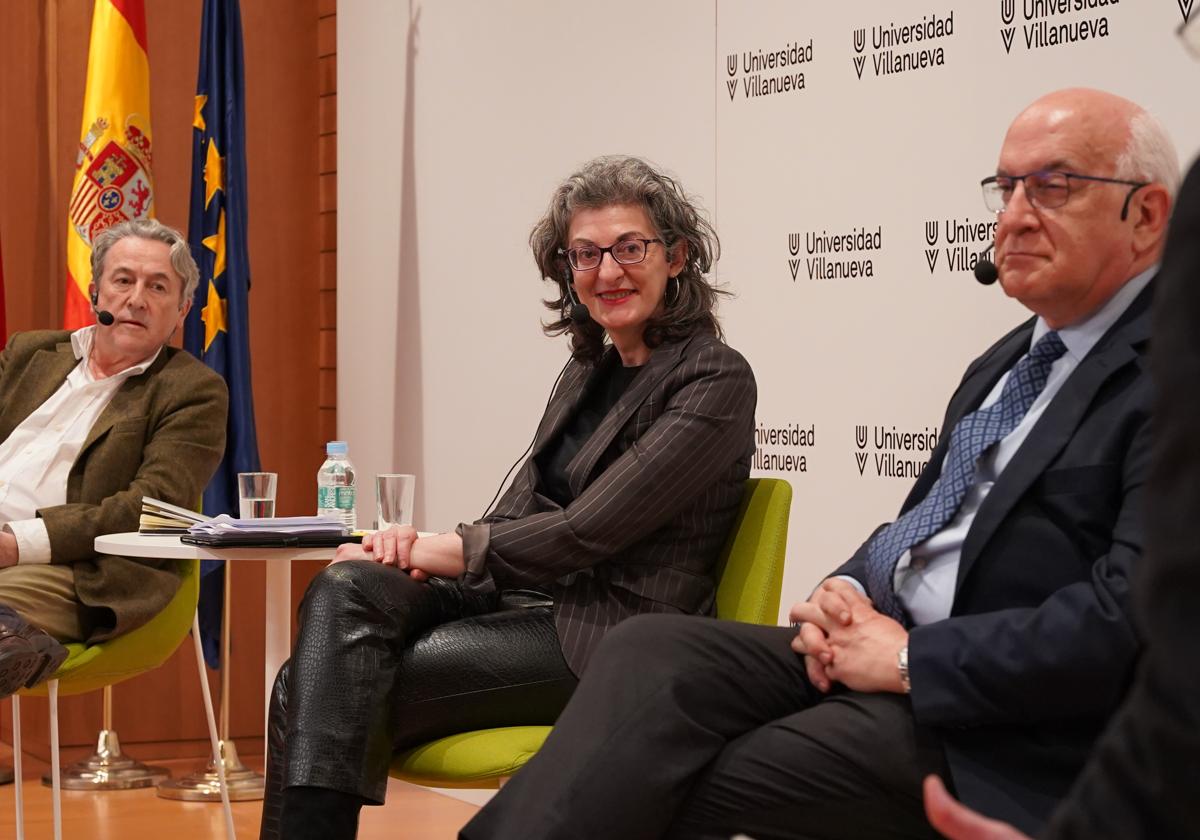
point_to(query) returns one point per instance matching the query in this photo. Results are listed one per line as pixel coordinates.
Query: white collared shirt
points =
(926, 577)
(36, 459)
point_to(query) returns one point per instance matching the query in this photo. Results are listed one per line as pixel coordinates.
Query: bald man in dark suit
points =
(1143, 779)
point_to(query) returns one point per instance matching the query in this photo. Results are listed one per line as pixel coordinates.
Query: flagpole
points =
(216, 329)
(223, 730)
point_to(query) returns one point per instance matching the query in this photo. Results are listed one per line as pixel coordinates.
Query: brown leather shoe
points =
(28, 654)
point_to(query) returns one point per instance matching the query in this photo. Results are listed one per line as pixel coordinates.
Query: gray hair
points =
(181, 253)
(617, 179)
(1149, 154)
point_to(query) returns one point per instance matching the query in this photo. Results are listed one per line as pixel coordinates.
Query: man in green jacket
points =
(91, 421)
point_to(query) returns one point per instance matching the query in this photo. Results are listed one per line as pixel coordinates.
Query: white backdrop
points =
(797, 124)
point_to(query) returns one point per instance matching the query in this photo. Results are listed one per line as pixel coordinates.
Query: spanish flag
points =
(112, 167)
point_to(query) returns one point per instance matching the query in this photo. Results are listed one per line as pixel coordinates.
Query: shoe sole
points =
(26, 668)
(52, 655)
(17, 667)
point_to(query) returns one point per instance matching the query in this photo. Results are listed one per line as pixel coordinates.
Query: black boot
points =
(271, 826)
(313, 813)
(299, 813)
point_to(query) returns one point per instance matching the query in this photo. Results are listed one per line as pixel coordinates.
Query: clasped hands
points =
(439, 555)
(845, 639)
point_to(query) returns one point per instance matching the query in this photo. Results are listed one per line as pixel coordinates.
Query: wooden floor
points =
(411, 813)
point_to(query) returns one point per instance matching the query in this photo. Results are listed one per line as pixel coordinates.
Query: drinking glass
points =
(256, 495)
(394, 499)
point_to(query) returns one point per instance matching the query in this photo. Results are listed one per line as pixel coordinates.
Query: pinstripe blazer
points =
(656, 488)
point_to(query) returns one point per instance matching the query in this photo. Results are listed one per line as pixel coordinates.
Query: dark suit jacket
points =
(1143, 781)
(1039, 646)
(161, 435)
(656, 489)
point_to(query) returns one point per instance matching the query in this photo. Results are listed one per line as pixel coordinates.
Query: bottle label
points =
(340, 498)
(326, 498)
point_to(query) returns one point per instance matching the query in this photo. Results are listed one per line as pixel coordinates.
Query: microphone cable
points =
(521, 458)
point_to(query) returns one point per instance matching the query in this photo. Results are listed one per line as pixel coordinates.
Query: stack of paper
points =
(159, 517)
(226, 524)
(291, 531)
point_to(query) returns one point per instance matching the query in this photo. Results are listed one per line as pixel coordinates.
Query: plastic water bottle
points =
(336, 494)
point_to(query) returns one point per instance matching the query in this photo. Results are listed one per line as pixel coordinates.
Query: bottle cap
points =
(336, 447)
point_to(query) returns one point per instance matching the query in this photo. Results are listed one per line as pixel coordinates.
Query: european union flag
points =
(217, 328)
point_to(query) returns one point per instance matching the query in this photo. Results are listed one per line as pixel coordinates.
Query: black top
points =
(603, 392)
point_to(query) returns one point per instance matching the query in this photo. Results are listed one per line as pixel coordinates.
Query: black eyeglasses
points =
(1047, 190)
(626, 252)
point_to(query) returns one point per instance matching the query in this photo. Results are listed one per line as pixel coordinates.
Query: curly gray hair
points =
(610, 180)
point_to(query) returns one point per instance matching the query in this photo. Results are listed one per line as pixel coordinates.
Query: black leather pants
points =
(383, 662)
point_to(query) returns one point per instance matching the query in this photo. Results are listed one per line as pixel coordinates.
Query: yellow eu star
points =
(198, 117)
(214, 172)
(216, 244)
(214, 315)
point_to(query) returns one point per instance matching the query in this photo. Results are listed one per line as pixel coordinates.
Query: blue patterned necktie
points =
(972, 437)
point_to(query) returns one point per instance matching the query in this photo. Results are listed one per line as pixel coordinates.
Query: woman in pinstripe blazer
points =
(634, 479)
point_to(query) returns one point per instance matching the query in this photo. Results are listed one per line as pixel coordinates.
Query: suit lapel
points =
(1057, 425)
(976, 385)
(562, 406)
(559, 410)
(45, 374)
(661, 362)
(126, 402)
(985, 377)
(118, 408)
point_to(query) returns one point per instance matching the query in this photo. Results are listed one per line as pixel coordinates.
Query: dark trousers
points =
(691, 727)
(382, 663)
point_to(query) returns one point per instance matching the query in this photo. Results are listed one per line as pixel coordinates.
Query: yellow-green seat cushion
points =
(751, 577)
(476, 759)
(89, 667)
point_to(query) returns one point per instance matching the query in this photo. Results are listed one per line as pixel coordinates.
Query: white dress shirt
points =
(36, 459)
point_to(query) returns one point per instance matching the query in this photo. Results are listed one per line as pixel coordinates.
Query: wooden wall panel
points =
(28, 146)
(327, 212)
(291, 78)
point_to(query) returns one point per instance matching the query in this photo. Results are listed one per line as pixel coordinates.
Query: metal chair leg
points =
(212, 730)
(18, 787)
(55, 769)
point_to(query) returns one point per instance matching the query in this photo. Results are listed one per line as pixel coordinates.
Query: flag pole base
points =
(109, 769)
(204, 786)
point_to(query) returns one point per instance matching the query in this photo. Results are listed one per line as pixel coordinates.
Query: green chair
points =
(750, 575)
(89, 667)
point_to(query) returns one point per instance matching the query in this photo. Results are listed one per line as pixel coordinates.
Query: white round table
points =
(279, 582)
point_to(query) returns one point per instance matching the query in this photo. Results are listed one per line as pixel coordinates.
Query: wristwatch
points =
(902, 662)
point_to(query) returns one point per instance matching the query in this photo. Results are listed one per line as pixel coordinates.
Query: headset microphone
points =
(985, 270)
(578, 312)
(102, 315)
